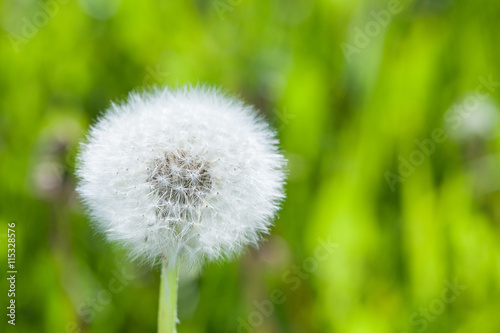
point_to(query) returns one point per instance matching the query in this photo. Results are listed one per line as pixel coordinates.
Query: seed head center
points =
(180, 179)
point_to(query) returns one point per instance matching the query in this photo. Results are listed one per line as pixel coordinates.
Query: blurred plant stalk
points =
(167, 308)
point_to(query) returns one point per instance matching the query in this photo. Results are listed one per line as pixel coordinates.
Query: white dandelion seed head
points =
(189, 175)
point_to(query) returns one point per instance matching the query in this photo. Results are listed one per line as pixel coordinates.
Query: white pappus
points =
(188, 175)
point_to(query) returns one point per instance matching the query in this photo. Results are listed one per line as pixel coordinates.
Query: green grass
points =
(344, 125)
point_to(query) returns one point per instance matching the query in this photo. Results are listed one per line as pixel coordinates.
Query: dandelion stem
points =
(167, 308)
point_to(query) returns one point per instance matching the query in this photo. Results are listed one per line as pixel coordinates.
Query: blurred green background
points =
(386, 111)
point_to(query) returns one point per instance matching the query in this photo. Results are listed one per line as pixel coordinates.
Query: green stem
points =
(167, 308)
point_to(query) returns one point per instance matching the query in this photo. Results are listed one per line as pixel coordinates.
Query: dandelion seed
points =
(184, 150)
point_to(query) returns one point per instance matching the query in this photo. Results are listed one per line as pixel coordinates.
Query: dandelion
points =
(182, 177)
(471, 118)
